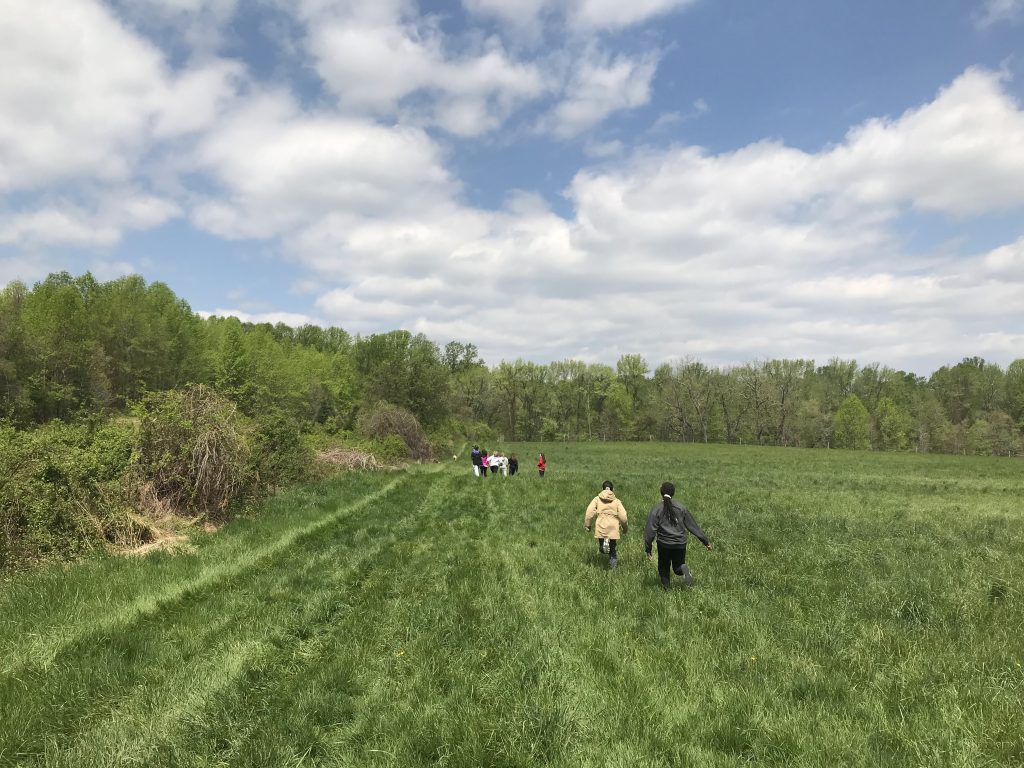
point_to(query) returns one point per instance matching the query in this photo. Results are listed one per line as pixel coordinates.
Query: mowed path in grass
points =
(858, 609)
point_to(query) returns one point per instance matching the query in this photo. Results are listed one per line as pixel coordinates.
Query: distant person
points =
(483, 462)
(668, 523)
(542, 465)
(494, 463)
(476, 457)
(610, 516)
(513, 465)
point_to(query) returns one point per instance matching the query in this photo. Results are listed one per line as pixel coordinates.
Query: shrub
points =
(386, 420)
(280, 456)
(193, 449)
(61, 492)
(390, 450)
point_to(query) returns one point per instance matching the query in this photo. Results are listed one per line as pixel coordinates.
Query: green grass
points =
(857, 610)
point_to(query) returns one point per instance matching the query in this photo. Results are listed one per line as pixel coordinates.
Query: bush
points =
(386, 420)
(61, 492)
(390, 450)
(193, 450)
(280, 456)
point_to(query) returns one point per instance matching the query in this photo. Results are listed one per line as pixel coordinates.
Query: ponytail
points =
(667, 491)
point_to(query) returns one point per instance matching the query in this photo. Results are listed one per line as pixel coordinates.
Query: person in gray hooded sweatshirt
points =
(669, 522)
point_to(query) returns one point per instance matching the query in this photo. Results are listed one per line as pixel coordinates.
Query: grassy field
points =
(858, 610)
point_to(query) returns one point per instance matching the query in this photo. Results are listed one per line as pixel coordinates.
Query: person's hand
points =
(708, 545)
(586, 527)
(649, 557)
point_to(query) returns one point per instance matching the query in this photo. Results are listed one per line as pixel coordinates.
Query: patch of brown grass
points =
(348, 459)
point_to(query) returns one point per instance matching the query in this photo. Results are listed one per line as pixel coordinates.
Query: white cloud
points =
(87, 111)
(279, 168)
(585, 15)
(293, 319)
(764, 251)
(101, 225)
(999, 11)
(374, 56)
(601, 85)
(609, 14)
(603, 149)
(84, 98)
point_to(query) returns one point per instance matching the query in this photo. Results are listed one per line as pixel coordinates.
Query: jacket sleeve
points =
(621, 514)
(692, 527)
(649, 531)
(591, 511)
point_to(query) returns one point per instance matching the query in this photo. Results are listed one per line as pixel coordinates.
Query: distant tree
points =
(459, 357)
(892, 424)
(1015, 391)
(235, 376)
(853, 425)
(930, 426)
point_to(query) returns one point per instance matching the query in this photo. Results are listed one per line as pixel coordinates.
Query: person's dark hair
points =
(607, 486)
(667, 492)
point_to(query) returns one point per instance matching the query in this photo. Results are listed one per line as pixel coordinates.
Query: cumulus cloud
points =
(766, 250)
(587, 15)
(293, 319)
(101, 224)
(278, 168)
(375, 55)
(605, 14)
(84, 98)
(1000, 11)
(601, 85)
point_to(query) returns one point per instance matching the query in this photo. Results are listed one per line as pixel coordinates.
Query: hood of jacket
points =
(607, 495)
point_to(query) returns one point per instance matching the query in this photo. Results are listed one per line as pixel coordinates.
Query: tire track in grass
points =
(74, 700)
(333, 683)
(225, 715)
(45, 650)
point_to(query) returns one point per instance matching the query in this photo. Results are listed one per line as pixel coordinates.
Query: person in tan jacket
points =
(610, 516)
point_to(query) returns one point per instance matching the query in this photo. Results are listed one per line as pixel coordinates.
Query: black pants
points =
(670, 559)
(612, 543)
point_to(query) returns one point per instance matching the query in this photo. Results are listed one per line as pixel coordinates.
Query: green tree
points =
(893, 423)
(853, 425)
(236, 373)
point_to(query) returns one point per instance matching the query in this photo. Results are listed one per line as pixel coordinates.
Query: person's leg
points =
(600, 546)
(613, 558)
(680, 567)
(664, 565)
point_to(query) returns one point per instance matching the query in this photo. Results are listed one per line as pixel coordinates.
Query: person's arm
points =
(591, 511)
(649, 531)
(622, 518)
(692, 527)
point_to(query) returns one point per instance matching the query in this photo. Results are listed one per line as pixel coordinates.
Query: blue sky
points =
(714, 179)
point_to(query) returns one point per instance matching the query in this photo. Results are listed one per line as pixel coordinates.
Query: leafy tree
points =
(853, 425)
(236, 373)
(893, 423)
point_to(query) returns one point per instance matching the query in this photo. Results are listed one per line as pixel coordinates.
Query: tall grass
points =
(858, 609)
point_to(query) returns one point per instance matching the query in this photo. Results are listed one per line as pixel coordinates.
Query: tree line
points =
(74, 347)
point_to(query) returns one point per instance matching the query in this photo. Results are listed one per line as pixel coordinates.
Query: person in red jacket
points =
(541, 465)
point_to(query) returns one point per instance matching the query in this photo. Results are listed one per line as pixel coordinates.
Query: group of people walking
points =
(669, 523)
(499, 463)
